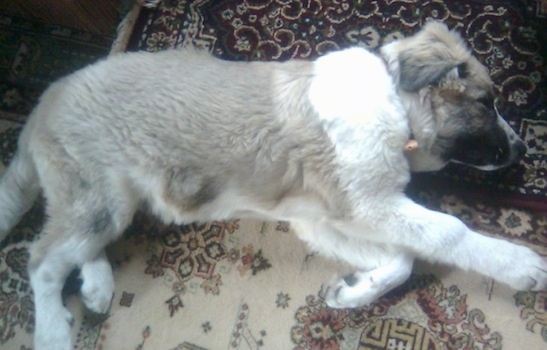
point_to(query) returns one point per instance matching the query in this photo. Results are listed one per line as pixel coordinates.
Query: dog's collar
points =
(411, 145)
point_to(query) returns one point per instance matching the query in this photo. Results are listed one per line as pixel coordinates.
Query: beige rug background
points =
(252, 284)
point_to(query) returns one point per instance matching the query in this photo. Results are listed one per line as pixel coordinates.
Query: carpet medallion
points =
(249, 284)
(422, 314)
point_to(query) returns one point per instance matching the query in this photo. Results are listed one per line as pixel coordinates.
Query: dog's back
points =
(196, 137)
(177, 130)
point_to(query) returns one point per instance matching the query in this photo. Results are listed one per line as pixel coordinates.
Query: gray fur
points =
(100, 221)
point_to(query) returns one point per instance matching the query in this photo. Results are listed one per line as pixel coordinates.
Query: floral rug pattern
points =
(259, 288)
(33, 54)
(247, 284)
(422, 314)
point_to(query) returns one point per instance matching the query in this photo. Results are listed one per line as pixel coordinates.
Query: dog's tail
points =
(19, 188)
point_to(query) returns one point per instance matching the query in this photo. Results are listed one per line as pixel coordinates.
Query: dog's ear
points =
(417, 74)
(428, 56)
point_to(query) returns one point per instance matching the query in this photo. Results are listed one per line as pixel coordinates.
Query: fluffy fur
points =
(319, 144)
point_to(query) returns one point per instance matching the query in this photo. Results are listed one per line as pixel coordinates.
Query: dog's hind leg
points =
(74, 236)
(52, 259)
(19, 188)
(98, 284)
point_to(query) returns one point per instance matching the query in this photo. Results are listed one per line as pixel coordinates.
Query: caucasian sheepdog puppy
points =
(320, 144)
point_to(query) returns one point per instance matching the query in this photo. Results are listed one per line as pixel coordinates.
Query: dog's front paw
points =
(354, 290)
(534, 270)
(528, 272)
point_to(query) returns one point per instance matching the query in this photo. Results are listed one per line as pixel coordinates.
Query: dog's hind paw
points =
(54, 334)
(97, 299)
(98, 285)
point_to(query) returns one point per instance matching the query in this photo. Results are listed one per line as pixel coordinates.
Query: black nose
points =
(520, 150)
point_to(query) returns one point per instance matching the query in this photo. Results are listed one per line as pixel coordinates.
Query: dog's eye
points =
(488, 102)
(462, 71)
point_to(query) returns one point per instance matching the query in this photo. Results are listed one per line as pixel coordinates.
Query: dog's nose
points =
(520, 150)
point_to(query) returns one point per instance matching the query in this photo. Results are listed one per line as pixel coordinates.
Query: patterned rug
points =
(33, 54)
(247, 284)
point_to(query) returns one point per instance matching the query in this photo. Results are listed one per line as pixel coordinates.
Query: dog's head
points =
(451, 102)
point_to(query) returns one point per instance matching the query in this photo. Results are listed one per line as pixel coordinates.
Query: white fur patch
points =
(98, 287)
(350, 84)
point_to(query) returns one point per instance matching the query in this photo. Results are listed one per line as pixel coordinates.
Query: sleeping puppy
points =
(317, 143)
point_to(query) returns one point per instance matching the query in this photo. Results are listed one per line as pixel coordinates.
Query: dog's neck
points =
(423, 131)
(412, 145)
(420, 121)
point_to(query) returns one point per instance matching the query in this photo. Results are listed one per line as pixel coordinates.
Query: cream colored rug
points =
(253, 285)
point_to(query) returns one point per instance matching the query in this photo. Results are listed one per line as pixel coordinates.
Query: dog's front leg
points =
(364, 287)
(518, 266)
(380, 267)
(439, 237)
